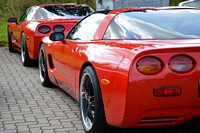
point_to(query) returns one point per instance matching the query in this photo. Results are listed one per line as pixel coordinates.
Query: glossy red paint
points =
(129, 99)
(30, 29)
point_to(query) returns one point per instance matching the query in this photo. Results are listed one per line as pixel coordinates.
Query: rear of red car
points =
(157, 83)
(45, 28)
(166, 84)
(159, 88)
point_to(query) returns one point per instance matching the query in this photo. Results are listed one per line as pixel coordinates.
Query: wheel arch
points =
(41, 42)
(8, 28)
(22, 32)
(86, 64)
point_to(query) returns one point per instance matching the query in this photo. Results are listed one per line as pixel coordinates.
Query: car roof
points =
(70, 4)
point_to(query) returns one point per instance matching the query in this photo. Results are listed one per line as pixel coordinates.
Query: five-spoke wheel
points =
(91, 104)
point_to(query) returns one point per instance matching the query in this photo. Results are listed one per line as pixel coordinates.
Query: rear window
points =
(191, 4)
(62, 11)
(155, 24)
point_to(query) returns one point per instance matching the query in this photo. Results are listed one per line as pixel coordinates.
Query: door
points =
(65, 52)
(64, 59)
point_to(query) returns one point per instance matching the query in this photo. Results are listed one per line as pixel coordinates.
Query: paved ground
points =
(28, 107)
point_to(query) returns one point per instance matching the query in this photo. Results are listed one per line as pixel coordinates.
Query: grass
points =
(3, 34)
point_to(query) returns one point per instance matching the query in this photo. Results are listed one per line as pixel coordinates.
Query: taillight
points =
(181, 63)
(161, 91)
(44, 29)
(149, 65)
(58, 28)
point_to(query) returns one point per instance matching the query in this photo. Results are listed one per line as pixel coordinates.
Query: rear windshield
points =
(62, 11)
(192, 4)
(155, 24)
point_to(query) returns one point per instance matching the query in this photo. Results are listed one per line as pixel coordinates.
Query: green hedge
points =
(10, 8)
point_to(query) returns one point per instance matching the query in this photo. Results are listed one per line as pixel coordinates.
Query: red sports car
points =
(39, 21)
(128, 68)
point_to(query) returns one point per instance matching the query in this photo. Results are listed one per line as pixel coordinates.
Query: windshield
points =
(155, 24)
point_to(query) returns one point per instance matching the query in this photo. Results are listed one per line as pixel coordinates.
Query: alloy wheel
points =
(42, 64)
(87, 102)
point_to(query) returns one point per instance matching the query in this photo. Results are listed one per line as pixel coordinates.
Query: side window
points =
(41, 14)
(28, 14)
(86, 29)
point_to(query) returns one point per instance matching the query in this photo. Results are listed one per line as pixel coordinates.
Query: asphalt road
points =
(28, 107)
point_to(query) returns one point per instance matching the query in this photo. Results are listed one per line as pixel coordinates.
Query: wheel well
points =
(22, 33)
(21, 36)
(41, 42)
(83, 67)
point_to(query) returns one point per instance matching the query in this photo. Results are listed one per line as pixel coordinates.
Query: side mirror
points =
(57, 36)
(12, 20)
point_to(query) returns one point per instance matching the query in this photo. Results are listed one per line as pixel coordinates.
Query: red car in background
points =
(39, 21)
(133, 68)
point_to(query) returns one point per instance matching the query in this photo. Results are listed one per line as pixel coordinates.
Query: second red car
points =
(24, 35)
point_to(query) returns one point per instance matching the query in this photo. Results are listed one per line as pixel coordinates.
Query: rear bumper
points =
(142, 109)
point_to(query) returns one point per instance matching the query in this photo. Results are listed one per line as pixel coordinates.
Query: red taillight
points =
(162, 91)
(149, 65)
(181, 63)
(44, 29)
(58, 28)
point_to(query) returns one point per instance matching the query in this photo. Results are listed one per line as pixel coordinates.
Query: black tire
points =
(26, 60)
(10, 47)
(43, 71)
(196, 122)
(91, 104)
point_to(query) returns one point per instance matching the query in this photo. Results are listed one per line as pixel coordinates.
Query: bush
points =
(15, 8)
(3, 34)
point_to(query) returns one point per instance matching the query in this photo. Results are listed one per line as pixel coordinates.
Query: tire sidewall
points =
(99, 124)
(23, 44)
(11, 49)
(46, 81)
(26, 61)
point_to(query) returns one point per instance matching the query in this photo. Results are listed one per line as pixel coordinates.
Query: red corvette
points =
(128, 68)
(39, 21)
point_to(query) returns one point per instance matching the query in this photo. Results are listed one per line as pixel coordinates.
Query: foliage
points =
(3, 34)
(15, 8)
(175, 2)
